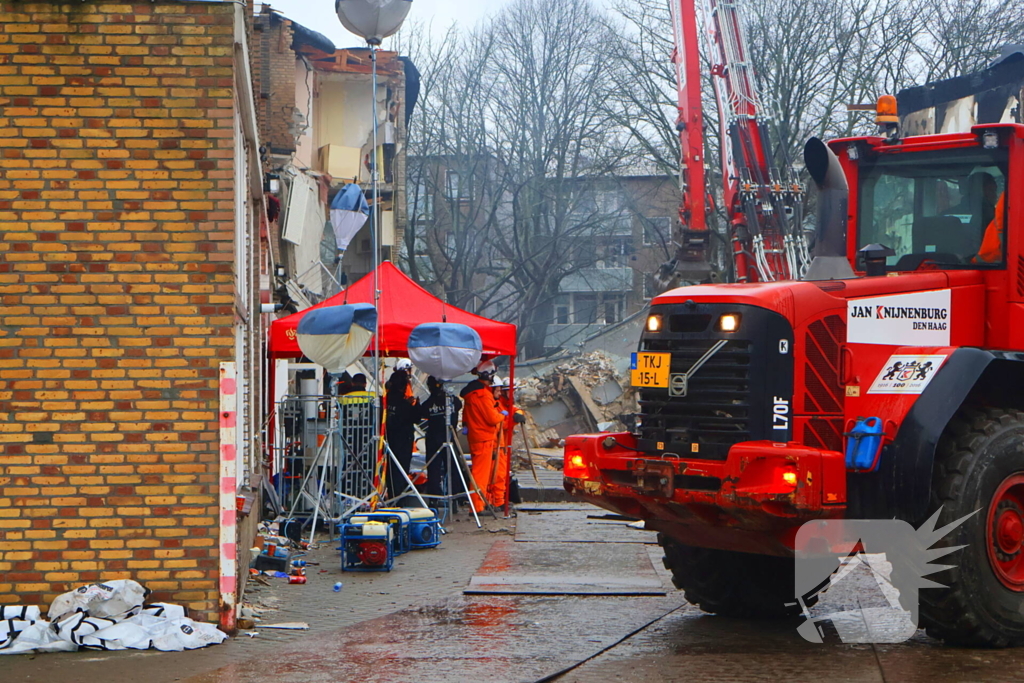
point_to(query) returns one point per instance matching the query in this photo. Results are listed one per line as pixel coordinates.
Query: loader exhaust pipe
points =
(829, 262)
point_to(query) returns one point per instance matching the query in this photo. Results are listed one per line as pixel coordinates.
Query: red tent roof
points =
(403, 305)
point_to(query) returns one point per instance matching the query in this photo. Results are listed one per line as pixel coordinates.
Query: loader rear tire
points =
(733, 584)
(979, 469)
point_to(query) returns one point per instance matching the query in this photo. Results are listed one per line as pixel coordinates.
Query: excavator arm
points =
(763, 204)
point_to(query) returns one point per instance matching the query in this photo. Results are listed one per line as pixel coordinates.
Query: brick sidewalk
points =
(419, 577)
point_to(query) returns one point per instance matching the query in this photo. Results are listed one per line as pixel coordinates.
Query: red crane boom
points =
(763, 204)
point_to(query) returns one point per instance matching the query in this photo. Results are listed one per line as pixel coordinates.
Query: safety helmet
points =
(500, 382)
(485, 368)
(403, 364)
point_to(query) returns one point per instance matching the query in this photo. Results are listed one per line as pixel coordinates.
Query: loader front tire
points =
(733, 584)
(979, 469)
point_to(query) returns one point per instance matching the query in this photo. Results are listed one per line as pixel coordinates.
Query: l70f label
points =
(780, 413)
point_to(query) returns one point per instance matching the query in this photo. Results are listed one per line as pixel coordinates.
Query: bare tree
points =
(550, 127)
(961, 37)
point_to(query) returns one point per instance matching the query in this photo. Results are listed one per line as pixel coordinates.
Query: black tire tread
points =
(949, 614)
(732, 584)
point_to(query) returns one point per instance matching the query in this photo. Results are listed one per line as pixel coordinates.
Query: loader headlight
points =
(654, 323)
(730, 322)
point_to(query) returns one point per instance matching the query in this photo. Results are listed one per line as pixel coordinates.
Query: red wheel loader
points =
(887, 382)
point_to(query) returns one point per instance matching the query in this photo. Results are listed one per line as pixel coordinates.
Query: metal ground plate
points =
(540, 568)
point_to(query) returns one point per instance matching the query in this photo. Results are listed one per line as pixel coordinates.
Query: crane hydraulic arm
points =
(763, 205)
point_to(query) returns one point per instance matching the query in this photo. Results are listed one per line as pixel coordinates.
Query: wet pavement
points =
(558, 568)
(474, 638)
(581, 525)
(428, 631)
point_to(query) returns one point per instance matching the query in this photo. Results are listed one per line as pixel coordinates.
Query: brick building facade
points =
(129, 209)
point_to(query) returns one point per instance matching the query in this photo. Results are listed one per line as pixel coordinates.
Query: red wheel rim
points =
(1005, 526)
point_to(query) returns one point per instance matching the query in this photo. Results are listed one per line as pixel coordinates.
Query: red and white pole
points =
(228, 488)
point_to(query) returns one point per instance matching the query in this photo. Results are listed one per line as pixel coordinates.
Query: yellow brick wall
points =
(116, 293)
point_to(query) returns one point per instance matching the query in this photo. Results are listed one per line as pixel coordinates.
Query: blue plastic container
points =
(864, 444)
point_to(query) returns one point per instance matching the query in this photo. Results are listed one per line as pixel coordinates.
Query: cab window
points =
(935, 208)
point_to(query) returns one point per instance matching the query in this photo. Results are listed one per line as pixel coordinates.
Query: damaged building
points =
(993, 95)
(314, 105)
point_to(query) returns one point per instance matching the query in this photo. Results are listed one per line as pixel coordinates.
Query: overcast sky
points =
(319, 15)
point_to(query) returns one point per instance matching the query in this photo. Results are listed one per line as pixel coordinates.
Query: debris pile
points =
(585, 393)
(103, 616)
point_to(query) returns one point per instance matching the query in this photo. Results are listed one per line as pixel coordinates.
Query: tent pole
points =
(511, 426)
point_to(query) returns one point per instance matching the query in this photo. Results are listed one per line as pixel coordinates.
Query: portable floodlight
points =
(373, 20)
(445, 350)
(335, 336)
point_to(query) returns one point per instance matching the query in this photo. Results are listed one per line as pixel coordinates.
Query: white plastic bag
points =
(79, 628)
(10, 629)
(145, 631)
(22, 612)
(165, 610)
(38, 637)
(113, 599)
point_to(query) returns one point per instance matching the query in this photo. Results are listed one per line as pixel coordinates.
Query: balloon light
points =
(445, 350)
(349, 212)
(335, 336)
(373, 20)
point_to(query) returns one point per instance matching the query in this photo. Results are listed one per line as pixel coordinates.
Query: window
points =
(421, 202)
(585, 306)
(616, 252)
(562, 309)
(651, 287)
(657, 231)
(455, 185)
(935, 207)
(614, 305)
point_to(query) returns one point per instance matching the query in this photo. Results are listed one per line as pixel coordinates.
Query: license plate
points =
(649, 369)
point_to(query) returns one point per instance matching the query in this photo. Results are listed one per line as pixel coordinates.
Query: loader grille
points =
(737, 395)
(716, 411)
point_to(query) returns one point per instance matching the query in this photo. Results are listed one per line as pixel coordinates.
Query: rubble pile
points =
(591, 369)
(596, 398)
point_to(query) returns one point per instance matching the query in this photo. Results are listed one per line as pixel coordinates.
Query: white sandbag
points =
(112, 599)
(145, 631)
(80, 629)
(38, 637)
(22, 612)
(165, 610)
(185, 634)
(10, 629)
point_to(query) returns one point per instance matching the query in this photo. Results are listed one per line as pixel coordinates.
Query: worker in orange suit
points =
(481, 417)
(991, 249)
(499, 487)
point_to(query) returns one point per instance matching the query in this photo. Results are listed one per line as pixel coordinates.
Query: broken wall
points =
(580, 394)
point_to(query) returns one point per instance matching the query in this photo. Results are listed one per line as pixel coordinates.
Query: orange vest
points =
(991, 250)
(481, 415)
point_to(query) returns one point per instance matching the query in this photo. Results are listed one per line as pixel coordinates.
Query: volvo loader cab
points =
(889, 386)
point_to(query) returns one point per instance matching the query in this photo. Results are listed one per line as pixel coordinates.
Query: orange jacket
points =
(991, 250)
(480, 413)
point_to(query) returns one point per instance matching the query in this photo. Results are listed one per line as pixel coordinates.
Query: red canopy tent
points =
(403, 305)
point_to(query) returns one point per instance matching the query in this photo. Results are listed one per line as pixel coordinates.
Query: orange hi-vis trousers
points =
(483, 463)
(497, 492)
